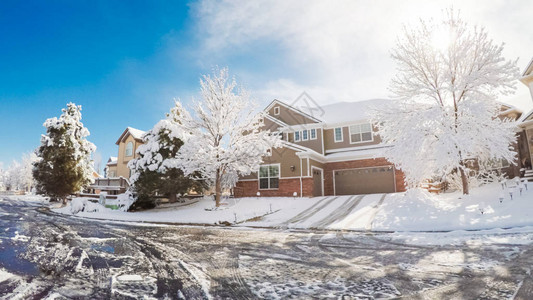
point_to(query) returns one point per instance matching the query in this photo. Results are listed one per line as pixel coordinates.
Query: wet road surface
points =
(46, 255)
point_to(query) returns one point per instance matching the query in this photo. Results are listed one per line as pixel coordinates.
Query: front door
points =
(317, 183)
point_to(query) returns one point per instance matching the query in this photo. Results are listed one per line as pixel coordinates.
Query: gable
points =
(288, 114)
(135, 133)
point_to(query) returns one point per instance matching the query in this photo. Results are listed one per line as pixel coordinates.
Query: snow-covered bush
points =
(476, 179)
(84, 205)
(155, 171)
(125, 200)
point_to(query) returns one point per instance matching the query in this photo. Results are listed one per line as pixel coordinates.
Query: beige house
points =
(117, 173)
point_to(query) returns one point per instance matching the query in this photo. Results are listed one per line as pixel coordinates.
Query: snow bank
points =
(418, 210)
(79, 205)
(199, 211)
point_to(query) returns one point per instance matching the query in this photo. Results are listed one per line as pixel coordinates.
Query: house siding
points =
(287, 188)
(122, 161)
(315, 145)
(330, 144)
(290, 116)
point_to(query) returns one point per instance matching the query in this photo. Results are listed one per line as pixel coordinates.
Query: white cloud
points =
(338, 51)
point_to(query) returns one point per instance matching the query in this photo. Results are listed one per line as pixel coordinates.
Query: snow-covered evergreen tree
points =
(64, 165)
(446, 117)
(224, 139)
(155, 170)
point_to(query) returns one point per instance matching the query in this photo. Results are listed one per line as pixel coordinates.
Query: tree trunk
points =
(172, 198)
(64, 201)
(464, 180)
(218, 188)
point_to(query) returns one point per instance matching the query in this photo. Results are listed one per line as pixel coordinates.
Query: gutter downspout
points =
(301, 186)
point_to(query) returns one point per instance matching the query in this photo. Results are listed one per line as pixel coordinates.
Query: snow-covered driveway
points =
(52, 256)
(355, 212)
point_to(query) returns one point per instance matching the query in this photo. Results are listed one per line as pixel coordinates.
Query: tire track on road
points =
(340, 213)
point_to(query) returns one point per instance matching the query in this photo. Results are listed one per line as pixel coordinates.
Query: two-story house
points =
(117, 172)
(331, 150)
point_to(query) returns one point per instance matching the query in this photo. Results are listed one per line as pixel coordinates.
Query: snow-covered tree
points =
(64, 165)
(224, 137)
(155, 170)
(446, 116)
(13, 179)
(26, 172)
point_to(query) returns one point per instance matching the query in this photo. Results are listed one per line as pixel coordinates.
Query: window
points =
(338, 134)
(361, 133)
(129, 149)
(505, 163)
(313, 134)
(296, 136)
(276, 110)
(305, 135)
(268, 177)
(498, 163)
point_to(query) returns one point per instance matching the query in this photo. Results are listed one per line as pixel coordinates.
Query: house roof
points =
(135, 133)
(528, 69)
(112, 160)
(342, 112)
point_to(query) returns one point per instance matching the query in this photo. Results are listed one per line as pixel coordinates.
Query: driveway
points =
(355, 212)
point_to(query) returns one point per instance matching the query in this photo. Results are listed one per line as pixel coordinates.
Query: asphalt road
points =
(46, 255)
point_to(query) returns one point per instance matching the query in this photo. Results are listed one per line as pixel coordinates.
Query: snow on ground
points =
(416, 210)
(200, 211)
(419, 210)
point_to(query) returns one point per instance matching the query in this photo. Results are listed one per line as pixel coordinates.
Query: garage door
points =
(364, 181)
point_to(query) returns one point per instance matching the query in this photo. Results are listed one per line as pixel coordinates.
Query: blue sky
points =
(125, 61)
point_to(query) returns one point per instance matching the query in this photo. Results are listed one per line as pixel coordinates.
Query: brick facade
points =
(287, 187)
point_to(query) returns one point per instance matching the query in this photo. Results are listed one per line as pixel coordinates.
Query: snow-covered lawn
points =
(416, 210)
(421, 211)
(199, 211)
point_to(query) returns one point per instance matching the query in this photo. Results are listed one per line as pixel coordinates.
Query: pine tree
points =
(155, 170)
(64, 165)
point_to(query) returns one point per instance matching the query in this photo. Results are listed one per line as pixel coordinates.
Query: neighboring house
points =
(328, 150)
(526, 126)
(110, 169)
(116, 170)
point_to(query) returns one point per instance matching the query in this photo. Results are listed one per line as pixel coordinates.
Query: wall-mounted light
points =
(293, 168)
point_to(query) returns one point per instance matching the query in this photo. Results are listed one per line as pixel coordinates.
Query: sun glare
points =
(440, 38)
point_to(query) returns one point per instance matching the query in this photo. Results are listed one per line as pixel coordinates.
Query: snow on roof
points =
(341, 112)
(136, 133)
(112, 160)
(356, 154)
